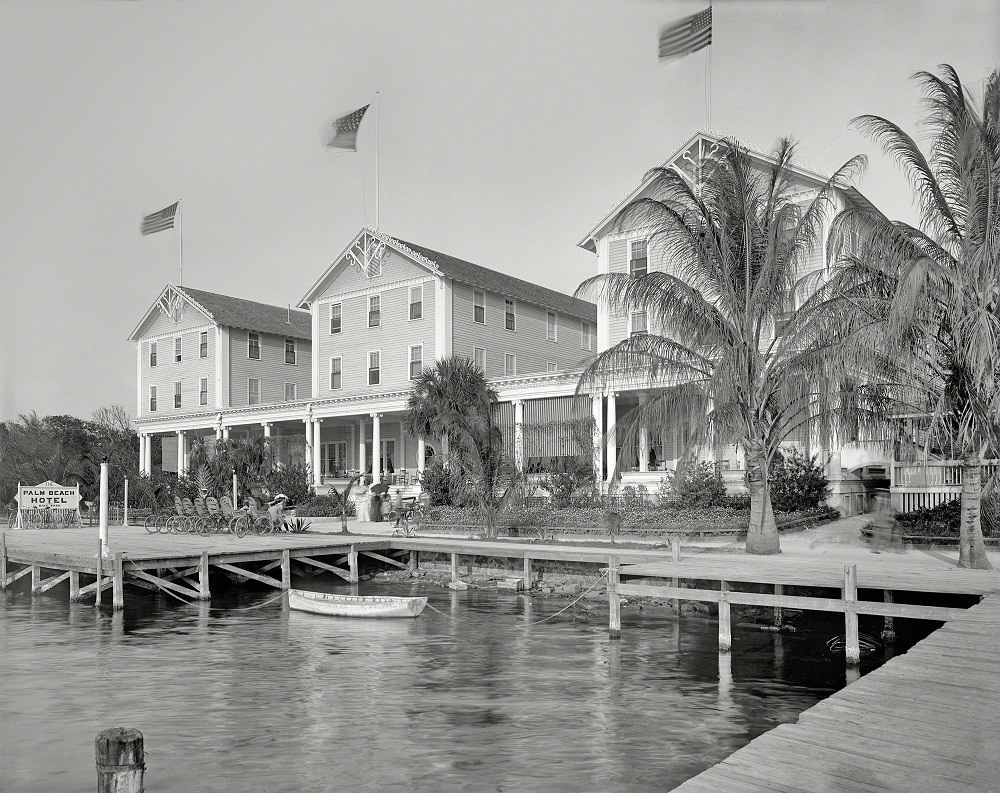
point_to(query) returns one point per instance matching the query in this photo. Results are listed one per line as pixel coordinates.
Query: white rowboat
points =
(334, 605)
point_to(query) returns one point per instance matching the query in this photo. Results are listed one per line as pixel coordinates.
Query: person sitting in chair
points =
(276, 509)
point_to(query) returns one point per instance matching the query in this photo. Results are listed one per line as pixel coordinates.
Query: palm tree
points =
(453, 400)
(935, 289)
(731, 357)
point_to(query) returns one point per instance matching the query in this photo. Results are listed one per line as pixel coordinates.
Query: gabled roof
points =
(469, 273)
(599, 229)
(235, 312)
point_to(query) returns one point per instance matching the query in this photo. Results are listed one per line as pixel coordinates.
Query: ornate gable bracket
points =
(171, 304)
(366, 255)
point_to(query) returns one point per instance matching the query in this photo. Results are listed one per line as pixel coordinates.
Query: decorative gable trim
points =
(171, 302)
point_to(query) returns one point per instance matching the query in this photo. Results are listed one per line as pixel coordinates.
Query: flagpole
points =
(376, 160)
(180, 246)
(708, 73)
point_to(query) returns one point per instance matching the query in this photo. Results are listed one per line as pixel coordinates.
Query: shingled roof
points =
(251, 315)
(500, 283)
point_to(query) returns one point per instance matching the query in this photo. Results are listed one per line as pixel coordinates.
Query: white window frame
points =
(295, 392)
(377, 297)
(260, 391)
(340, 318)
(369, 367)
(295, 352)
(512, 312)
(178, 349)
(477, 296)
(178, 394)
(153, 359)
(551, 366)
(410, 361)
(203, 344)
(340, 372)
(413, 302)
(554, 318)
(153, 404)
(251, 334)
(203, 391)
(509, 371)
(475, 356)
(644, 241)
(586, 335)
(632, 331)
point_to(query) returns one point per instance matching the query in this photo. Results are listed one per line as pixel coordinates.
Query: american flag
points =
(346, 127)
(686, 36)
(159, 221)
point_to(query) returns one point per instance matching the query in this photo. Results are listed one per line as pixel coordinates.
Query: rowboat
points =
(334, 605)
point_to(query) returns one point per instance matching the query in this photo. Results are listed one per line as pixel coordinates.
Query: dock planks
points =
(923, 721)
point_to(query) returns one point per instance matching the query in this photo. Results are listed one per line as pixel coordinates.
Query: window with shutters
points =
(416, 302)
(509, 365)
(375, 367)
(638, 259)
(479, 357)
(152, 399)
(637, 323)
(374, 311)
(551, 326)
(336, 380)
(291, 392)
(203, 344)
(253, 391)
(509, 318)
(177, 350)
(152, 354)
(335, 318)
(177, 395)
(290, 352)
(203, 391)
(253, 345)
(479, 307)
(416, 360)
(586, 335)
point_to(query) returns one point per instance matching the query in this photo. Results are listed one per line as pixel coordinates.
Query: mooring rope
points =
(600, 578)
(211, 608)
(449, 616)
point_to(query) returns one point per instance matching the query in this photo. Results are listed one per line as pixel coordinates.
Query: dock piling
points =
(74, 585)
(286, 569)
(100, 569)
(414, 561)
(454, 567)
(852, 648)
(204, 589)
(527, 574)
(779, 615)
(888, 628)
(352, 565)
(725, 620)
(675, 549)
(614, 601)
(118, 587)
(121, 760)
(3, 560)
(36, 578)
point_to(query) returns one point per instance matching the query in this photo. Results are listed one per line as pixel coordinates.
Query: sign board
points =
(48, 495)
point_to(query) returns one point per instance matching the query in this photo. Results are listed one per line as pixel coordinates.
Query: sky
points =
(505, 132)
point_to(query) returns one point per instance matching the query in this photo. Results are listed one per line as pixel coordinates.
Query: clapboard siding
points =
(160, 323)
(394, 336)
(345, 277)
(188, 372)
(271, 368)
(617, 263)
(528, 342)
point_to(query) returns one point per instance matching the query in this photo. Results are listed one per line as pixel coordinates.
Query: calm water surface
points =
(480, 697)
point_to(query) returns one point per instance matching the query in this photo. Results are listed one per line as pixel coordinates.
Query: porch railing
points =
(926, 485)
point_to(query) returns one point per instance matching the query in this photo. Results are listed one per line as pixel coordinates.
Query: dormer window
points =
(638, 258)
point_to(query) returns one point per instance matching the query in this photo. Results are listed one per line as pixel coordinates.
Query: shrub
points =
(575, 483)
(293, 481)
(324, 507)
(796, 482)
(699, 485)
(436, 482)
(945, 520)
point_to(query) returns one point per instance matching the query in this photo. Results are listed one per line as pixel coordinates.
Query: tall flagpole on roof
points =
(376, 160)
(180, 243)
(708, 74)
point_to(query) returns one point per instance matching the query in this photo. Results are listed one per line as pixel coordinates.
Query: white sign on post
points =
(49, 496)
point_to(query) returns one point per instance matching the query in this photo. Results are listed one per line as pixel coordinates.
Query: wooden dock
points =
(928, 720)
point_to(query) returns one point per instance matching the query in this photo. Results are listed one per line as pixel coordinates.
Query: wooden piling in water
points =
(121, 760)
(414, 561)
(779, 614)
(74, 585)
(3, 560)
(852, 647)
(352, 565)
(36, 578)
(100, 570)
(118, 586)
(454, 567)
(888, 628)
(614, 601)
(527, 574)
(675, 549)
(204, 588)
(725, 620)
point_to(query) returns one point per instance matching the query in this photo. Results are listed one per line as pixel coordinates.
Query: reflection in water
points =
(474, 695)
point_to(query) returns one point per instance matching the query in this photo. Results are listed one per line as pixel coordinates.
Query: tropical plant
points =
(734, 351)
(934, 289)
(436, 482)
(798, 482)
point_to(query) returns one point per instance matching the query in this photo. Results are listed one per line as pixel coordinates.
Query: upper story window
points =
(152, 354)
(177, 395)
(416, 360)
(203, 344)
(374, 367)
(374, 311)
(253, 391)
(335, 318)
(586, 335)
(336, 376)
(479, 357)
(253, 345)
(509, 365)
(509, 318)
(291, 392)
(479, 307)
(177, 349)
(152, 399)
(638, 323)
(416, 302)
(551, 325)
(203, 391)
(290, 351)
(638, 260)
(551, 366)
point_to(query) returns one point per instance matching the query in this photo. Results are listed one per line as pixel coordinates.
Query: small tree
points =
(797, 482)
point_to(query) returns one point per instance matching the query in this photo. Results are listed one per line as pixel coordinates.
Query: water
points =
(481, 697)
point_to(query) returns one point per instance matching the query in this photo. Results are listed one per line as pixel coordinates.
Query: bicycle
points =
(406, 518)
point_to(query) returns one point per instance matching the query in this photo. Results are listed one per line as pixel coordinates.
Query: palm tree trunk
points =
(971, 546)
(762, 535)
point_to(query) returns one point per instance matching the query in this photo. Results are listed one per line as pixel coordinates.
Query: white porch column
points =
(597, 406)
(225, 433)
(267, 428)
(401, 462)
(611, 431)
(142, 453)
(362, 462)
(519, 434)
(421, 453)
(218, 432)
(317, 452)
(181, 457)
(149, 455)
(643, 440)
(376, 448)
(352, 446)
(309, 441)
